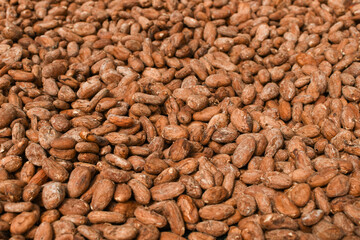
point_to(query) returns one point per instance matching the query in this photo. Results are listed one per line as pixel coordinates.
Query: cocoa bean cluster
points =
(179, 119)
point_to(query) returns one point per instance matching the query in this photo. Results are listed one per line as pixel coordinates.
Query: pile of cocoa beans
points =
(180, 119)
